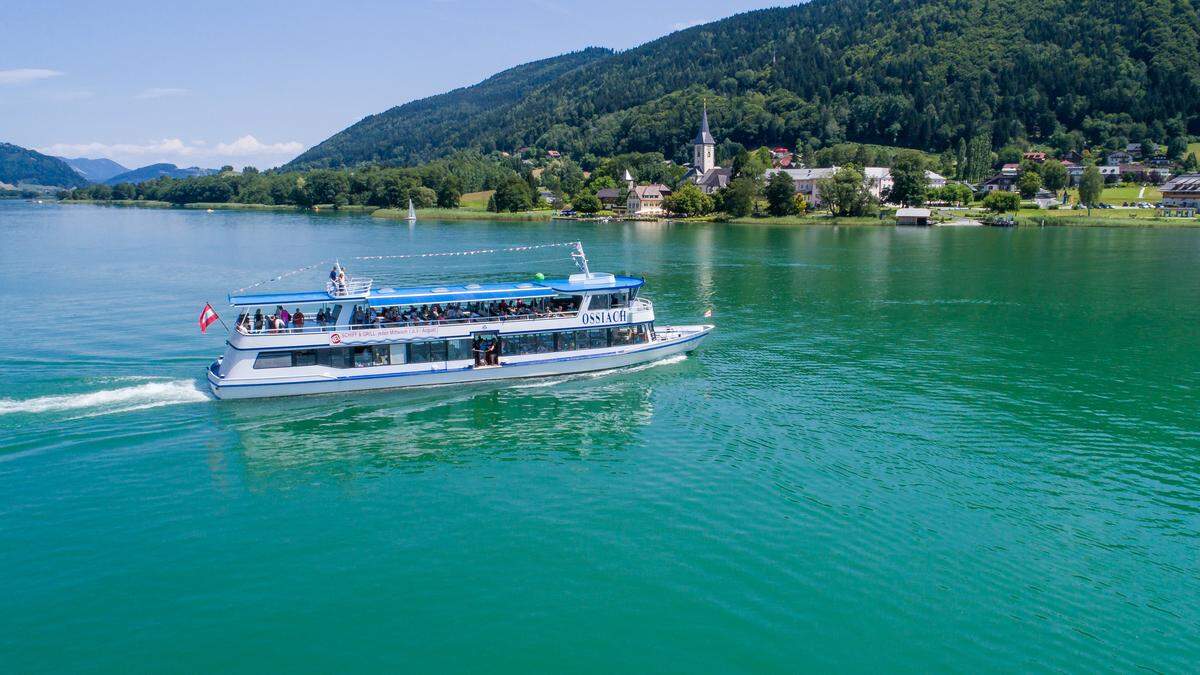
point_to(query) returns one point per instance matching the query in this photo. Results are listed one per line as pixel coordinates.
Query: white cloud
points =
(249, 145)
(248, 149)
(161, 92)
(24, 75)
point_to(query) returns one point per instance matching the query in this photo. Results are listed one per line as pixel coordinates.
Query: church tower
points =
(704, 155)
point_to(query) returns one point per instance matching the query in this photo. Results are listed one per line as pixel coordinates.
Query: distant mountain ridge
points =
(95, 170)
(916, 73)
(152, 171)
(24, 166)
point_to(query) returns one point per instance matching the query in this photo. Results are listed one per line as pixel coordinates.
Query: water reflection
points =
(575, 416)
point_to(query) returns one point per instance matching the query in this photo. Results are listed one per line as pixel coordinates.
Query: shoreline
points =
(1023, 219)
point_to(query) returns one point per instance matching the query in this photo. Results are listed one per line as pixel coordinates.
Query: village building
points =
(1010, 169)
(878, 180)
(1036, 157)
(912, 216)
(647, 200)
(704, 172)
(1045, 199)
(1110, 174)
(1181, 196)
(1119, 157)
(1001, 182)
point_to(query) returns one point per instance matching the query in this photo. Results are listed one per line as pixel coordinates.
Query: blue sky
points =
(217, 82)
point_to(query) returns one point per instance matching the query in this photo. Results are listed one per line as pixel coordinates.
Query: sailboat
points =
(412, 213)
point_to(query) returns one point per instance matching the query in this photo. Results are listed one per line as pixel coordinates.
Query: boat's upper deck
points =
(362, 290)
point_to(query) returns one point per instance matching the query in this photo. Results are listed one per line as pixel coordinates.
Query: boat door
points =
(485, 348)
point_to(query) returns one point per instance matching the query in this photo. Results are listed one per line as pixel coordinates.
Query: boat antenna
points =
(581, 259)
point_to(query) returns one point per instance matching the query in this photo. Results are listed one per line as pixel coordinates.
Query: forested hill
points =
(917, 73)
(21, 165)
(430, 127)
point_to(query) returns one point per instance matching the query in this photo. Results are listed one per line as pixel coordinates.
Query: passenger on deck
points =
(321, 317)
(283, 314)
(258, 319)
(493, 352)
(477, 351)
(298, 318)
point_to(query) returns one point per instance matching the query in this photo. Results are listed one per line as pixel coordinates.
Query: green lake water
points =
(952, 449)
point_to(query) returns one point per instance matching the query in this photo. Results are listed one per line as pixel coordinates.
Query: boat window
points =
(418, 352)
(545, 343)
(566, 341)
(273, 360)
(372, 355)
(597, 337)
(437, 350)
(458, 350)
(304, 357)
(602, 301)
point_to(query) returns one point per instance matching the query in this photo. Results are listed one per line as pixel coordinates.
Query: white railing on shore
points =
(327, 328)
(353, 287)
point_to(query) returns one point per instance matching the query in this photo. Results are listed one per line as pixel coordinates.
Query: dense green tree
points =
(449, 192)
(124, 191)
(780, 193)
(511, 195)
(1191, 164)
(688, 200)
(324, 186)
(1054, 175)
(737, 199)
(423, 197)
(845, 192)
(909, 183)
(1091, 185)
(586, 202)
(1028, 184)
(1001, 201)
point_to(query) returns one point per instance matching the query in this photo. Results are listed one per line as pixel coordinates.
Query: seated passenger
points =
(298, 318)
(321, 317)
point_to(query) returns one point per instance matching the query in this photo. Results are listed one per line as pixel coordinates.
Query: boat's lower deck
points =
(668, 341)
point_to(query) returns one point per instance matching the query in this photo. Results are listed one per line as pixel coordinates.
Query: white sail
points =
(412, 213)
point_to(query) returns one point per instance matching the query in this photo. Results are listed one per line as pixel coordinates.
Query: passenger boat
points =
(383, 337)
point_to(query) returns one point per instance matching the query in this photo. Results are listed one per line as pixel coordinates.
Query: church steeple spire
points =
(703, 147)
(704, 137)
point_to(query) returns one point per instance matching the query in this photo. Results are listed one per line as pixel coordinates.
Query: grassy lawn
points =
(1126, 193)
(1101, 218)
(1193, 147)
(476, 200)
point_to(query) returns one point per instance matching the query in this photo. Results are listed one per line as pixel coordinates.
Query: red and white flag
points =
(208, 316)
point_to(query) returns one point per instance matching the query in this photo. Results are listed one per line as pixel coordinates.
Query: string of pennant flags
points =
(511, 249)
(306, 268)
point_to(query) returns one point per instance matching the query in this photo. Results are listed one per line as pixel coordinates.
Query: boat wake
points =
(108, 401)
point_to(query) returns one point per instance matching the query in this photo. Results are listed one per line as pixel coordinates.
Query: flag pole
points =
(218, 316)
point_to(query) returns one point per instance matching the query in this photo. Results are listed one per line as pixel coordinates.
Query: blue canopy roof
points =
(421, 295)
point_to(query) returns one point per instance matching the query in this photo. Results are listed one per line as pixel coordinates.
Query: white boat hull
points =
(679, 339)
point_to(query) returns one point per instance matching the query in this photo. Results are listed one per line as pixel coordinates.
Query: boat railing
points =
(642, 305)
(328, 328)
(352, 287)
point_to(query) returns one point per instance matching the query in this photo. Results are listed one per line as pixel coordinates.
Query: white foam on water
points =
(551, 381)
(105, 401)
